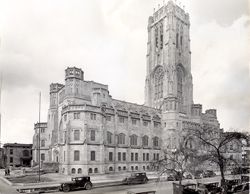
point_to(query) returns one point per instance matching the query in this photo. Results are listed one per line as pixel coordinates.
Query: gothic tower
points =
(168, 79)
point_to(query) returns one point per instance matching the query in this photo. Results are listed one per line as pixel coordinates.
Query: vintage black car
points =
(208, 173)
(240, 188)
(76, 184)
(135, 178)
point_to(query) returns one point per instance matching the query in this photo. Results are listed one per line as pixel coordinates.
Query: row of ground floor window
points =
(109, 170)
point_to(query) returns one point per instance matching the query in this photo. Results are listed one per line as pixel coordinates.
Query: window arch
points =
(156, 141)
(96, 170)
(90, 170)
(110, 168)
(158, 79)
(73, 170)
(109, 137)
(180, 79)
(25, 153)
(133, 140)
(121, 138)
(42, 143)
(79, 171)
(145, 140)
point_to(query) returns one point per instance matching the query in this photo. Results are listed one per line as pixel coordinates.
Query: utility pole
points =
(39, 131)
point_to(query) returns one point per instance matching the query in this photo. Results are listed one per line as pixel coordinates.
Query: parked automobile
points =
(245, 178)
(212, 188)
(171, 177)
(198, 174)
(232, 182)
(240, 170)
(187, 176)
(135, 178)
(190, 188)
(208, 173)
(240, 188)
(77, 183)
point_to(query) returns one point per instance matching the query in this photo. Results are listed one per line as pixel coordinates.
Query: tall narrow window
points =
(145, 140)
(155, 141)
(110, 156)
(133, 140)
(158, 79)
(93, 116)
(92, 135)
(161, 37)
(177, 40)
(124, 156)
(76, 155)
(109, 137)
(42, 143)
(121, 138)
(92, 155)
(76, 135)
(180, 76)
(132, 156)
(119, 156)
(42, 157)
(156, 37)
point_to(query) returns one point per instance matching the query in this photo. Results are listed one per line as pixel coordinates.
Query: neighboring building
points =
(90, 132)
(17, 154)
(2, 158)
(44, 143)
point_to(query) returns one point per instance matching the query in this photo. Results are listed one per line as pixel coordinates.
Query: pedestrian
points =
(8, 171)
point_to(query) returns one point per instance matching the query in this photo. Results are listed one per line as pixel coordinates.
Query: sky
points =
(107, 39)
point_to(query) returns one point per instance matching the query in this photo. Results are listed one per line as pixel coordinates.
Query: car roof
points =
(81, 177)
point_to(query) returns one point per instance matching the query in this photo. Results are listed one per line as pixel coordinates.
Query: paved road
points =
(160, 187)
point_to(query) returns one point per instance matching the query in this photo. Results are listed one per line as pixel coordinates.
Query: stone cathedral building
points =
(88, 131)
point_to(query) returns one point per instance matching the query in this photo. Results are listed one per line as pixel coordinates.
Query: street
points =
(160, 187)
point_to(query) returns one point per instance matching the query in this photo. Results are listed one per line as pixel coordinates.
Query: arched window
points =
(133, 140)
(155, 141)
(136, 168)
(180, 77)
(121, 138)
(110, 168)
(90, 170)
(96, 170)
(119, 168)
(145, 140)
(109, 137)
(79, 171)
(132, 168)
(25, 153)
(73, 170)
(42, 143)
(124, 167)
(158, 78)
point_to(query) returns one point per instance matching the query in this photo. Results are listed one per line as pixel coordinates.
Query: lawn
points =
(28, 179)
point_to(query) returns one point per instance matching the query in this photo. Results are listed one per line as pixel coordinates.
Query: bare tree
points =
(216, 147)
(178, 160)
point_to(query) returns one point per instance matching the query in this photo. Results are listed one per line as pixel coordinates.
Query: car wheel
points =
(88, 186)
(66, 188)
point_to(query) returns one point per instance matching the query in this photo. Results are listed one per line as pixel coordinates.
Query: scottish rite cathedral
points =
(88, 131)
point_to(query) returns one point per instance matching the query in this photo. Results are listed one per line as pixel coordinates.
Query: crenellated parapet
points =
(74, 72)
(55, 87)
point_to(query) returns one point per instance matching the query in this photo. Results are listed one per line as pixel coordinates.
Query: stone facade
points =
(90, 132)
(17, 154)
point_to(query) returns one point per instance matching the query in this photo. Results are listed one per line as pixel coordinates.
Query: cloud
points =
(222, 60)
